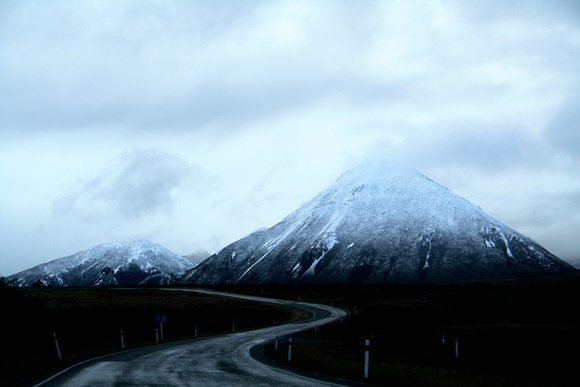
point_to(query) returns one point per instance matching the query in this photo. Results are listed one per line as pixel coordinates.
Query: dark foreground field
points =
(508, 334)
(523, 333)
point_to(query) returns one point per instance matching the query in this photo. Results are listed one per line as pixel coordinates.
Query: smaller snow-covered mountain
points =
(575, 262)
(198, 257)
(135, 263)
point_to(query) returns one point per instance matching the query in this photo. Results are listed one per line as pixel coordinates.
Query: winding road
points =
(222, 360)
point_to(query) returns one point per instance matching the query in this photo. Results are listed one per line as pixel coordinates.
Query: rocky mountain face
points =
(380, 224)
(135, 263)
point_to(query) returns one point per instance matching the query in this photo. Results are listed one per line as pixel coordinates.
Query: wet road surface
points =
(222, 360)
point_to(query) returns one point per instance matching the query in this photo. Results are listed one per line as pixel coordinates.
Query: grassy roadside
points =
(509, 334)
(88, 323)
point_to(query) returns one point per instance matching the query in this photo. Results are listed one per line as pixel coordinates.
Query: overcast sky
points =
(193, 123)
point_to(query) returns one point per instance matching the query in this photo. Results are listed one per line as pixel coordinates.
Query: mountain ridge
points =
(109, 264)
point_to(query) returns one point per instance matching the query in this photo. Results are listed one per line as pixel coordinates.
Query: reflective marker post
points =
(122, 341)
(57, 348)
(290, 349)
(367, 342)
(160, 319)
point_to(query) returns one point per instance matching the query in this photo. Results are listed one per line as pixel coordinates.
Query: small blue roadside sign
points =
(160, 319)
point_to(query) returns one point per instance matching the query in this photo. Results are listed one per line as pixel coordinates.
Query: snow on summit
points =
(380, 223)
(138, 262)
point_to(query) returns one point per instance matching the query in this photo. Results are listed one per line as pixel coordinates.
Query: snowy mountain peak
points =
(380, 223)
(138, 262)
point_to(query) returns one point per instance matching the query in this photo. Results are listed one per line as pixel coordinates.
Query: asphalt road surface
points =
(222, 360)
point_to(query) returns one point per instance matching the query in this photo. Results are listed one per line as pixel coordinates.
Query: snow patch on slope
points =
(325, 245)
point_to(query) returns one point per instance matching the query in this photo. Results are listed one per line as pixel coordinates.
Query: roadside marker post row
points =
(58, 348)
(157, 319)
(289, 347)
(367, 351)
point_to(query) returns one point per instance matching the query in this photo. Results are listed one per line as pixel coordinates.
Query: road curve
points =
(222, 360)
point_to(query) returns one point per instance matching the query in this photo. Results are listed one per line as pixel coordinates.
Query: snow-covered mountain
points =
(197, 257)
(135, 263)
(380, 223)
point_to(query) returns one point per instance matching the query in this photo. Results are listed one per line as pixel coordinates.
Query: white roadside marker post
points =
(160, 319)
(56, 344)
(290, 349)
(367, 342)
(156, 335)
(443, 339)
(233, 327)
(276, 345)
(456, 348)
(122, 340)
(196, 331)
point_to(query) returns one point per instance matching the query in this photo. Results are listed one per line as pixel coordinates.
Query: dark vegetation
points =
(510, 333)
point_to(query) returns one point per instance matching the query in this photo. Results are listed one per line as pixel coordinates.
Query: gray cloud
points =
(184, 67)
(563, 131)
(139, 185)
(486, 147)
